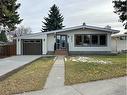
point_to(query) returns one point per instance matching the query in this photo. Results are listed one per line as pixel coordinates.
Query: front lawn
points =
(30, 78)
(81, 69)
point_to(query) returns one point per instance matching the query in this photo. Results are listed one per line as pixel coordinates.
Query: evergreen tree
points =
(9, 16)
(3, 36)
(54, 21)
(121, 9)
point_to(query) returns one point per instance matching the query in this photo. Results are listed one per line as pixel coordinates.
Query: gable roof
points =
(74, 28)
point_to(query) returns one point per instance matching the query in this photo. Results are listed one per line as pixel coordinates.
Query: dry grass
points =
(30, 78)
(81, 72)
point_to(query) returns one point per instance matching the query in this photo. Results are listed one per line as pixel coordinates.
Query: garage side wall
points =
(18, 46)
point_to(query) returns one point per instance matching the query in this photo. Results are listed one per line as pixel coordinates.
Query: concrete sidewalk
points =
(116, 86)
(14, 62)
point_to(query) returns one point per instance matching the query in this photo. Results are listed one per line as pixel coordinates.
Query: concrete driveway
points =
(14, 62)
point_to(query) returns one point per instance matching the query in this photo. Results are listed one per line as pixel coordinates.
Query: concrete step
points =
(61, 52)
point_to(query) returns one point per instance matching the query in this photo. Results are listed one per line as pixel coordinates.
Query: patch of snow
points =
(89, 60)
(65, 59)
(55, 58)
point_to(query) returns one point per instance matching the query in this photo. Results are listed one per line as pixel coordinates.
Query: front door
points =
(61, 42)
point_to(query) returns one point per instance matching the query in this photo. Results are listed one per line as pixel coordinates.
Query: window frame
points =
(98, 38)
(75, 39)
(123, 38)
(106, 40)
(90, 45)
(89, 40)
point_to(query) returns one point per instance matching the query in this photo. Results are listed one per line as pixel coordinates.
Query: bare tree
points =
(20, 31)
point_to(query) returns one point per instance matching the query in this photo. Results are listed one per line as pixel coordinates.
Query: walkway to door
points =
(56, 76)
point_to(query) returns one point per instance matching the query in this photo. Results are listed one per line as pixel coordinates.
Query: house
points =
(119, 42)
(82, 39)
(2, 43)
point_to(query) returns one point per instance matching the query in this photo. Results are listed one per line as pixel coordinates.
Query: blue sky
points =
(75, 12)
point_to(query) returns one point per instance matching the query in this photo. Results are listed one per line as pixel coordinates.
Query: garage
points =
(32, 47)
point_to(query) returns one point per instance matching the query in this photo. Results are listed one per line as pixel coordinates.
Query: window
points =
(63, 38)
(123, 38)
(103, 40)
(58, 39)
(86, 40)
(38, 41)
(78, 39)
(95, 40)
(90, 40)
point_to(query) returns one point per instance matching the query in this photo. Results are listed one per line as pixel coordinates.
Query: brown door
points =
(32, 47)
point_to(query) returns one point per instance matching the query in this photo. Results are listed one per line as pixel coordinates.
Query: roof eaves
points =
(85, 27)
(72, 28)
(65, 29)
(29, 35)
(102, 29)
(119, 35)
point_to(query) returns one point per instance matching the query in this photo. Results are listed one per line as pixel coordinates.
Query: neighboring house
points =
(119, 42)
(82, 39)
(2, 43)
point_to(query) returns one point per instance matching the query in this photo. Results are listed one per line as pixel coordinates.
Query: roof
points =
(2, 42)
(75, 28)
(125, 32)
(119, 35)
(84, 27)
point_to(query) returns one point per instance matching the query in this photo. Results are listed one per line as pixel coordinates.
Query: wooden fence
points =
(7, 50)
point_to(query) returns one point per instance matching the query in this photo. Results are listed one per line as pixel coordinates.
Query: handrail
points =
(57, 46)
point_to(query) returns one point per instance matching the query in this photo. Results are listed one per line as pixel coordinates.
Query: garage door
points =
(32, 47)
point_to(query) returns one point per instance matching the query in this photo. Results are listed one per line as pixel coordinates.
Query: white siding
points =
(51, 41)
(44, 44)
(118, 45)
